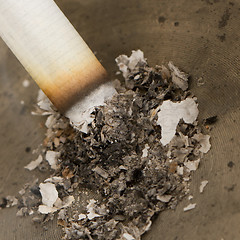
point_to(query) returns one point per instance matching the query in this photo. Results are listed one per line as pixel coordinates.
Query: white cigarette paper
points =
(50, 49)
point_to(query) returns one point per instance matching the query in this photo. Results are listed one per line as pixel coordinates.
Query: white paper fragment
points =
(186, 179)
(164, 198)
(127, 236)
(40, 113)
(91, 210)
(46, 209)
(203, 185)
(80, 113)
(178, 77)
(51, 120)
(81, 216)
(204, 141)
(52, 157)
(180, 170)
(58, 204)
(189, 207)
(92, 215)
(33, 164)
(43, 102)
(26, 83)
(54, 179)
(145, 151)
(170, 115)
(22, 102)
(49, 193)
(192, 165)
(128, 64)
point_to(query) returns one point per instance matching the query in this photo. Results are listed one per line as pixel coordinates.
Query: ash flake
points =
(52, 157)
(192, 165)
(203, 185)
(189, 207)
(49, 193)
(145, 151)
(91, 210)
(81, 216)
(171, 113)
(33, 164)
(127, 236)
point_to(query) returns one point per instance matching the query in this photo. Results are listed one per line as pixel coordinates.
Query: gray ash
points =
(121, 161)
(110, 160)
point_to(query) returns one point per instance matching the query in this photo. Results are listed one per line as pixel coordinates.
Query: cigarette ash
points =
(136, 156)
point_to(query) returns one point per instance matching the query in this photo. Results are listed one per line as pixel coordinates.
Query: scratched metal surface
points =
(201, 37)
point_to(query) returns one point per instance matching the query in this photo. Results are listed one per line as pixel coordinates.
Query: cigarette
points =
(50, 49)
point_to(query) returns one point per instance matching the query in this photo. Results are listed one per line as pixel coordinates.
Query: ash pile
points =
(136, 156)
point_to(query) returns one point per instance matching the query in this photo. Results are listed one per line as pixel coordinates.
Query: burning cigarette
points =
(50, 49)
